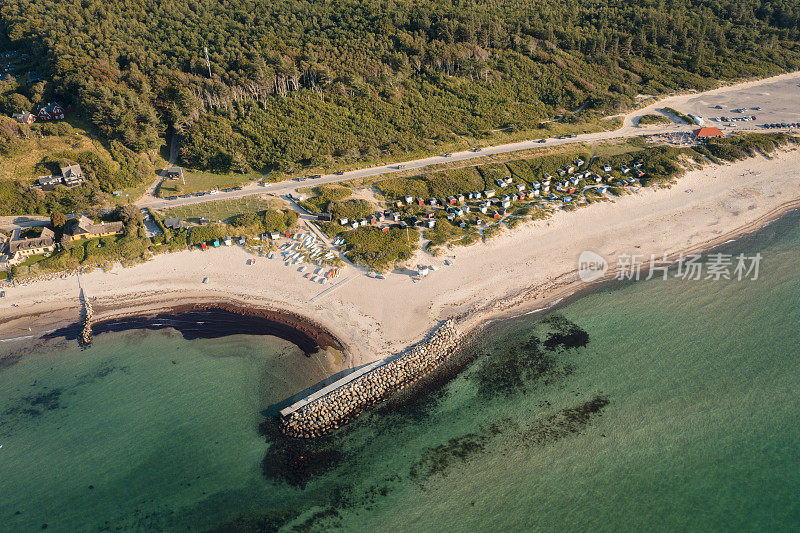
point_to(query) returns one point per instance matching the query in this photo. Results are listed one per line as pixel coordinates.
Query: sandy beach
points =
(521, 270)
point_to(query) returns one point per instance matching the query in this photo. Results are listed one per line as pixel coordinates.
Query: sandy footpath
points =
(520, 270)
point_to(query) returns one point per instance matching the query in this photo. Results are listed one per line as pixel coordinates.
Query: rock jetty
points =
(85, 337)
(345, 403)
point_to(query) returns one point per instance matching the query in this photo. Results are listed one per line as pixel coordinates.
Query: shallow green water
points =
(677, 410)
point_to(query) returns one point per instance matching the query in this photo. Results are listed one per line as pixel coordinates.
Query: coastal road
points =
(290, 186)
(13, 222)
(778, 96)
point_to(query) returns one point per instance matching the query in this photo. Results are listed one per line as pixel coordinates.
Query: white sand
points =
(520, 270)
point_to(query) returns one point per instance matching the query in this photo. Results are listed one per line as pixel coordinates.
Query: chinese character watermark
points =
(713, 267)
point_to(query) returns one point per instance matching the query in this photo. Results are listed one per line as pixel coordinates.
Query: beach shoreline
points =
(205, 320)
(568, 291)
(528, 269)
(192, 317)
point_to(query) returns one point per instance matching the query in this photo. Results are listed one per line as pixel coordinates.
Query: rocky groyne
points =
(345, 403)
(85, 338)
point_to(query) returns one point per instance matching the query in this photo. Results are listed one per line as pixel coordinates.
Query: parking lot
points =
(779, 102)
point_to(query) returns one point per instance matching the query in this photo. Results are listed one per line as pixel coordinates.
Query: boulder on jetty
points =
(344, 404)
(85, 337)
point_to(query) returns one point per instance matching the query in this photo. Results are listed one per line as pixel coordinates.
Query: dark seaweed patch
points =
(46, 401)
(572, 420)
(517, 368)
(521, 366)
(565, 422)
(33, 406)
(319, 519)
(296, 461)
(269, 522)
(439, 459)
(103, 370)
(566, 334)
(411, 408)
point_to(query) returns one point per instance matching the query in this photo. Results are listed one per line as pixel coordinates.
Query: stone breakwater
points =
(85, 338)
(344, 404)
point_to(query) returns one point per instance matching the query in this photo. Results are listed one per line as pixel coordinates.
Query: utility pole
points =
(208, 63)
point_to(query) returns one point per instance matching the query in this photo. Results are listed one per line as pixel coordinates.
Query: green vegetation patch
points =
(105, 171)
(380, 250)
(493, 172)
(244, 225)
(219, 209)
(447, 233)
(652, 119)
(297, 85)
(204, 181)
(323, 196)
(743, 145)
(396, 188)
(680, 116)
(127, 249)
(453, 182)
(354, 209)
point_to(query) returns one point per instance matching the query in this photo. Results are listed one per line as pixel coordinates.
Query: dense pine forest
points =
(297, 82)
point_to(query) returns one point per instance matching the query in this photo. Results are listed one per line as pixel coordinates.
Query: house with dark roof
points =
(173, 223)
(84, 228)
(20, 247)
(72, 171)
(48, 183)
(175, 173)
(71, 176)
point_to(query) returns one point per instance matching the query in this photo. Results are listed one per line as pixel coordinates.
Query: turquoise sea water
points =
(660, 405)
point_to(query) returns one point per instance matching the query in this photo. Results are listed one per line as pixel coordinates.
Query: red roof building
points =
(707, 133)
(50, 112)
